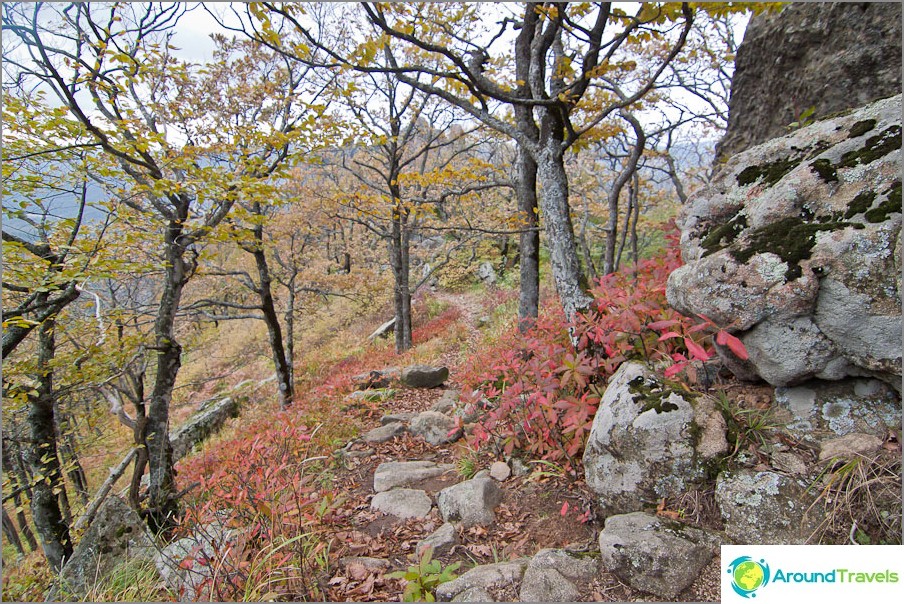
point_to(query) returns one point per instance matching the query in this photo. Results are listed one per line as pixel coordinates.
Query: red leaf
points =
(697, 351)
(564, 509)
(724, 338)
(669, 334)
(657, 325)
(674, 370)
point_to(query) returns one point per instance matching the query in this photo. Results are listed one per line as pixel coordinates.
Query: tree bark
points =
(528, 241)
(69, 456)
(163, 509)
(44, 459)
(15, 466)
(571, 284)
(9, 529)
(399, 261)
(274, 330)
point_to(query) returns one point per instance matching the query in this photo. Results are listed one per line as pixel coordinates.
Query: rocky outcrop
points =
(654, 555)
(201, 425)
(795, 245)
(764, 507)
(116, 536)
(648, 442)
(826, 56)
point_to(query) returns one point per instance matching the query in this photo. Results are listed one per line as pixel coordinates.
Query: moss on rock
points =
(874, 148)
(723, 235)
(826, 171)
(861, 128)
(891, 204)
(770, 172)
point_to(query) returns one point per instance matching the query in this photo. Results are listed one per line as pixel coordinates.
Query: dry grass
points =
(861, 501)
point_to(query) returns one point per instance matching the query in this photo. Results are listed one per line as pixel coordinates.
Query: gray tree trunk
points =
(529, 240)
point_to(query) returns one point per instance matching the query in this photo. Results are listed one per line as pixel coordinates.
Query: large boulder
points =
(116, 536)
(655, 555)
(424, 376)
(648, 441)
(795, 245)
(826, 56)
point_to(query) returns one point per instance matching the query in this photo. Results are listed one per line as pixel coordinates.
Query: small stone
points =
(470, 503)
(446, 403)
(789, 463)
(442, 540)
(849, 446)
(488, 576)
(400, 473)
(384, 433)
(402, 503)
(371, 564)
(500, 471)
(391, 418)
(475, 594)
(554, 575)
(436, 428)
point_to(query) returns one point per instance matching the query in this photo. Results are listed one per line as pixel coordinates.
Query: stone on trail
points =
(390, 418)
(489, 576)
(442, 540)
(556, 575)
(424, 376)
(849, 446)
(470, 503)
(654, 555)
(384, 433)
(392, 474)
(402, 503)
(500, 471)
(446, 403)
(436, 428)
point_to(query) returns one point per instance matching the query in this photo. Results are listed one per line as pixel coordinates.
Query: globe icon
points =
(749, 575)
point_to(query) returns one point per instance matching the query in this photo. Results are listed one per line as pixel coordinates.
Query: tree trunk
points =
(290, 328)
(14, 464)
(529, 240)
(274, 331)
(44, 459)
(398, 260)
(163, 509)
(9, 529)
(570, 281)
(69, 456)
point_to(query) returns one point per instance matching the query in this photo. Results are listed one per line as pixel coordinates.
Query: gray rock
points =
(391, 418)
(849, 447)
(475, 594)
(556, 575)
(402, 503)
(401, 473)
(489, 576)
(384, 329)
(830, 56)
(116, 536)
(499, 470)
(382, 378)
(385, 433)
(442, 540)
(188, 563)
(435, 428)
(424, 376)
(368, 563)
(653, 555)
(642, 443)
(486, 273)
(470, 503)
(792, 245)
(446, 403)
(764, 507)
(199, 426)
(789, 463)
(819, 411)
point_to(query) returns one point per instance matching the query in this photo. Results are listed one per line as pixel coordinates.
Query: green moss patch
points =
(818, 148)
(860, 204)
(791, 239)
(861, 128)
(770, 172)
(891, 205)
(826, 171)
(654, 395)
(722, 236)
(875, 148)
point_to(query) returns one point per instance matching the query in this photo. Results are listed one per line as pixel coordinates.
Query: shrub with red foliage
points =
(435, 326)
(541, 393)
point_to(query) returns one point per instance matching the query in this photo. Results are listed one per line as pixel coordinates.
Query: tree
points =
(169, 160)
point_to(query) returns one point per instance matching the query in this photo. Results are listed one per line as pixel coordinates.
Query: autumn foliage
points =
(538, 394)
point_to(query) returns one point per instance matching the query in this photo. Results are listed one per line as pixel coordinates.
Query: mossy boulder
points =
(649, 440)
(795, 246)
